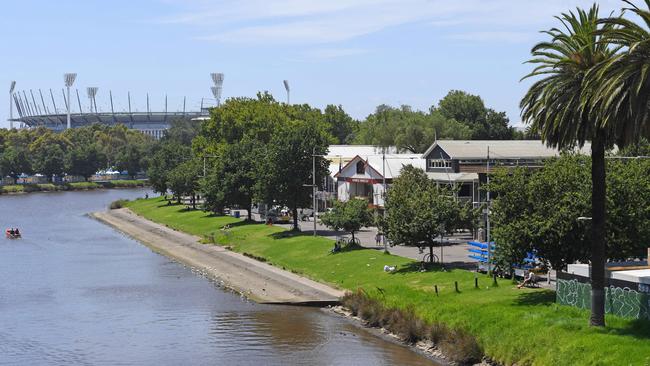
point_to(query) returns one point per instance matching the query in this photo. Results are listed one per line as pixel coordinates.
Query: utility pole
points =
(383, 199)
(313, 184)
(489, 245)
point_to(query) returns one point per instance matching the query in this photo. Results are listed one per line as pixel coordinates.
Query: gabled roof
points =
(392, 166)
(499, 149)
(350, 151)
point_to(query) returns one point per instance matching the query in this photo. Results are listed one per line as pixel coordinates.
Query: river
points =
(76, 292)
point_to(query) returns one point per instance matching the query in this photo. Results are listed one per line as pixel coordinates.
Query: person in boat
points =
(16, 232)
(10, 231)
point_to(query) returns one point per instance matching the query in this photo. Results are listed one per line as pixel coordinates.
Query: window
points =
(439, 163)
(361, 167)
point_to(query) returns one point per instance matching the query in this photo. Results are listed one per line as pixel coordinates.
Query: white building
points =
(365, 178)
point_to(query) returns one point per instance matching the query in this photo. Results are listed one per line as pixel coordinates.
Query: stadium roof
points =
(140, 119)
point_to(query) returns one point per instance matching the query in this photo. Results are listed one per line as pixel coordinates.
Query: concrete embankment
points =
(258, 281)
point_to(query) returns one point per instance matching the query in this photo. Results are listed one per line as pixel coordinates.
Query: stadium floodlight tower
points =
(11, 104)
(69, 80)
(216, 92)
(92, 91)
(217, 79)
(286, 86)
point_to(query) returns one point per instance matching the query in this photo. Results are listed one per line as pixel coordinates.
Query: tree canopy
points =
(419, 212)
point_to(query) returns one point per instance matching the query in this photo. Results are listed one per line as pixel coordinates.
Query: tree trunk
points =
(193, 201)
(353, 242)
(598, 239)
(430, 253)
(294, 210)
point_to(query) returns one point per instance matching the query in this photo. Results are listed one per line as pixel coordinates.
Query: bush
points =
(458, 345)
(118, 204)
(408, 326)
(12, 189)
(438, 332)
(461, 347)
(48, 187)
(83, 185)
(127, 183)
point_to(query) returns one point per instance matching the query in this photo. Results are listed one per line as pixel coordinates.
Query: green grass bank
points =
(77, 186)
(512, 326)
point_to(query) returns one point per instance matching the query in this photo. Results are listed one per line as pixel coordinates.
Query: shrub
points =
(458, 345)
(118, 204)
(408, 326)
(83, 185)
(12, 189)
(461, 347)
(438, 332)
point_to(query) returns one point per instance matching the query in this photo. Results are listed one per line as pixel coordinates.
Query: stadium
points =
(66, 110)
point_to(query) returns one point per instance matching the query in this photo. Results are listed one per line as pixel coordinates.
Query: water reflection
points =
(74, 291)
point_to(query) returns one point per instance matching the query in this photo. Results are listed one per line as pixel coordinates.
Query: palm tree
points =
(624, 99)
(561, 109)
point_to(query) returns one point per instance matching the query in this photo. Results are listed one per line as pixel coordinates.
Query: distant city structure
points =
(60, 110)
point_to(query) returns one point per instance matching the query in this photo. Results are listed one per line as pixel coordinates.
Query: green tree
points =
(523, 222)
(407, 129)
(183, 181)
(418, 211)
(339, 124)
(286, 166)
(628, 211)
(462, 107)
(166, 156)
(485, 123)
(84, 160)
(562, 109)
(14, 161)
(349, 216)
(48, 154)
(182, 131)
(233, 178)
(130, 159)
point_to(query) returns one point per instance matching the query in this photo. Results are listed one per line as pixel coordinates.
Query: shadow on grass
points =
(418, 266)
(637, 328)
(541, 297)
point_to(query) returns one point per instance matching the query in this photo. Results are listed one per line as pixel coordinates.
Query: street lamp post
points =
(11, 104)
(69, 80)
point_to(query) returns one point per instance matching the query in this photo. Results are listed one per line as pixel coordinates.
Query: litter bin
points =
(236, 214)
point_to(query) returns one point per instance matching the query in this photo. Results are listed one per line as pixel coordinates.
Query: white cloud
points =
(495, 36)
(330, 53)
(331, 21)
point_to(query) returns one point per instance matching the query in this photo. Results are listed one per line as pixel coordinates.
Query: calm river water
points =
(76, 292)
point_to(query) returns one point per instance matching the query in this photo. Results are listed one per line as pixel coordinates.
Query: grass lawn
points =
(50, 187)
(512, 326)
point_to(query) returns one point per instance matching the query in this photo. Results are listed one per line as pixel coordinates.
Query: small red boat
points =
(12, 233)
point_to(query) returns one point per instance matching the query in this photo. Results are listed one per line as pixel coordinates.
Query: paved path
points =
(453, 254)
(258, 281)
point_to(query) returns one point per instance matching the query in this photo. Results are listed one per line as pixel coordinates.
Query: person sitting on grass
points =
(529, 279)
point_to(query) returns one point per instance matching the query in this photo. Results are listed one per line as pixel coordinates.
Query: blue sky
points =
(355, 53)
